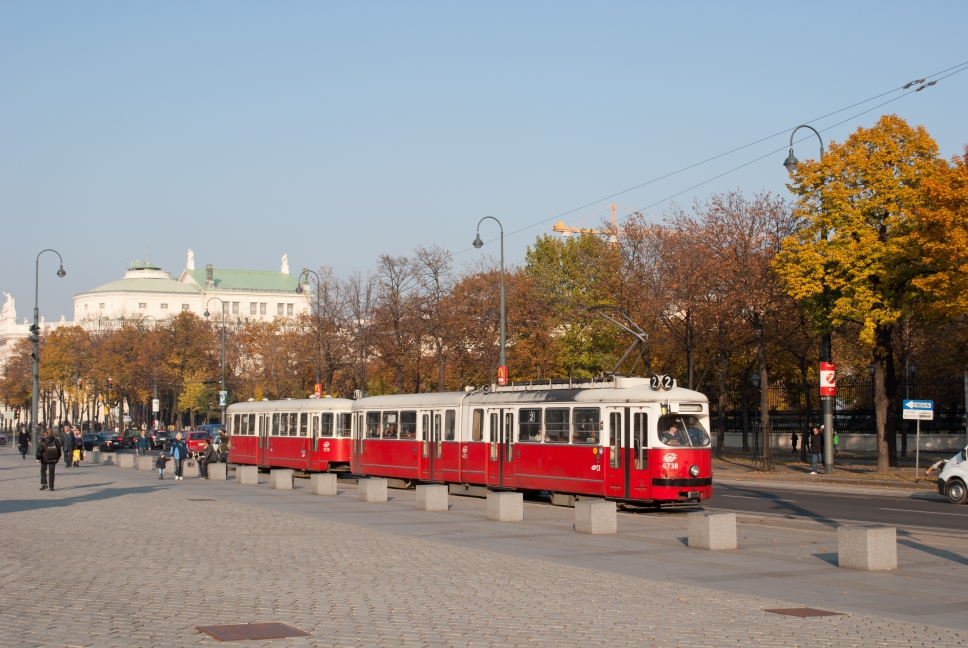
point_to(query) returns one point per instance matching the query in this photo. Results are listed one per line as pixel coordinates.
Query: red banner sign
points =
(828, 379)
(502, 375)
(318, 390)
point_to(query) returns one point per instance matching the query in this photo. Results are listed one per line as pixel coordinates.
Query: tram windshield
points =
(677, 431)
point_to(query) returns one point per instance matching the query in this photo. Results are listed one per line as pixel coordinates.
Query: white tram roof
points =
(293, 405)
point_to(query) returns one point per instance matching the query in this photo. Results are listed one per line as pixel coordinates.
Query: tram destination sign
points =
(918, 410)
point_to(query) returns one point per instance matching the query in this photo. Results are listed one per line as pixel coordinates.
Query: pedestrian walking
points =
(67, 441)
(793, 441)
(836, 441)
(160, 464)
(48, 454)
(209, 456)
(78, 447)
(179, 452)
(23, 442)
(142, 443)
(816, 448)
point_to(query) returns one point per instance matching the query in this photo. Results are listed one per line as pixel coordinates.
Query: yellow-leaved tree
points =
(854, 257)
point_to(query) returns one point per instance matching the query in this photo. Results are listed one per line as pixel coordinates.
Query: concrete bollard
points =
(597, 517)
(190, 468)
(433, 497)
(109, 459)
(322, 483)
(126, 461)
(218, 471)
(713, 531)
(505, 507)
(373, 489)
(145, 463)
(867, 548)
(247, 475)
(281, 478)
(93, 457)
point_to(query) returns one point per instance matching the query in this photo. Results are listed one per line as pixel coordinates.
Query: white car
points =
(953, 480)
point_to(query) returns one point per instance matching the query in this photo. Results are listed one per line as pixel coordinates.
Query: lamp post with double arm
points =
(304, 275)
(155, 403)
(826, 352)
(34, 337)
(223, 395)
(502, 370)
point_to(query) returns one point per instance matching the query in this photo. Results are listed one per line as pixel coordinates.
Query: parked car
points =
(159, 438)
(100, 441)
(129, 439)
(195, 440)
(4, 439)
(212, 428)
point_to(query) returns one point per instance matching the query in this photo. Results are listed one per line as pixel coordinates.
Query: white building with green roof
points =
(148, 291)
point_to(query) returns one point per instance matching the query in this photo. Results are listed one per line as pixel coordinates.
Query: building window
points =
(184, 306)
(253, 306)
(262, 308)
(289, 309)
(142, 304)
(280, 309)
(163, 307)
(235, 308)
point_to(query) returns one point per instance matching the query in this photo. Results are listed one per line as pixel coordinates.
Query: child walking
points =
(160, 463)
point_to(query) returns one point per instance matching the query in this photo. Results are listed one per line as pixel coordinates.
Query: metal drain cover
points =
(249, 631)
(802, 612)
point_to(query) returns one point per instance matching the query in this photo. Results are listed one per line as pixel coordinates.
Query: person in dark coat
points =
(816, 447)
(210, 456)
(142, 443)
(67, 442)
(793, 441)
(48, 454)
(23, 441)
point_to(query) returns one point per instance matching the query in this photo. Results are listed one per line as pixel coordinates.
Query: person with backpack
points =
(178, 452)
(48, 454)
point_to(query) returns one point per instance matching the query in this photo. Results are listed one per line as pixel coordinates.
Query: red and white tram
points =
(617, 438)
(311, 434)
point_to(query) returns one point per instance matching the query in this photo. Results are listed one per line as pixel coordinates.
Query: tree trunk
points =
(885, 398)
(721, 410)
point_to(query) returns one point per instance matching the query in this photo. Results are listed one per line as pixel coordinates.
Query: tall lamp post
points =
(35, 338)
(223, 395)
(502, 370)
(828, 386)
(318, 387)
(155, 403)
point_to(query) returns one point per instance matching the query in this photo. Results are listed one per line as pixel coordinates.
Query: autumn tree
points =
(854, 259)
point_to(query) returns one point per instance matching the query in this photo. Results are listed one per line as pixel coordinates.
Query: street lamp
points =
(317, 389)
(223, 395)
(155, 403)
(502, 370)
(826, 353)
(35, 338)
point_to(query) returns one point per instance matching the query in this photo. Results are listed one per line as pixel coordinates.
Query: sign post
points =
(918, 410)
(828, 392)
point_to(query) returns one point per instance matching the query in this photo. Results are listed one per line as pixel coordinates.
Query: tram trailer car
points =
(620, 438)
(307, 434)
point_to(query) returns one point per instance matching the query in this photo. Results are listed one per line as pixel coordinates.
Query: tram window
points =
(529, 425)
(477, 426)
(373, 425)
(408, 425)
(676, 430)
(234, 422)
(343, 424)
(293, 424)
(493, 432)
(614, 440)
(251, 431)
(450, 425)
(390, 425)
(241, 425)
(326, 424)
(275, 424)
(557, 424)
(303, 424)
(640, 437)
(587, 425)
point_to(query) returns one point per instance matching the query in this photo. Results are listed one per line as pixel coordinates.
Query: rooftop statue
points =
(285, 264)
(190, 264)
(8, 308)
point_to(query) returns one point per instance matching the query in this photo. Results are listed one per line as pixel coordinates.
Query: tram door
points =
(500, 464)
(639, 475)
(430, 460)
(263, 445)
(356, 462)
(617, 466)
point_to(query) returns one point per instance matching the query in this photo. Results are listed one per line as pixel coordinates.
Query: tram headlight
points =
(694, 471)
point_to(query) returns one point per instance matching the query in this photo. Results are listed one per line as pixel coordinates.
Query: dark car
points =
(159, 438)
(129, 439)
(100, 441)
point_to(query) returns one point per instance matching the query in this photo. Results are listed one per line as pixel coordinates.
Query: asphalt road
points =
(917, 509)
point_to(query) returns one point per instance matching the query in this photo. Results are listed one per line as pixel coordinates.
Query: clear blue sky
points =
(335, 132)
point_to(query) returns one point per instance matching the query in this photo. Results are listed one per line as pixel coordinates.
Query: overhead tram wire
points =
(921, 83)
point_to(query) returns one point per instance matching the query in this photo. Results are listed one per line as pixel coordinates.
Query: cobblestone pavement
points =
(116, 558)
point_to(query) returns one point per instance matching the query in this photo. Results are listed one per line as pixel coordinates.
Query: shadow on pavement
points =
(934, 551)
(15, 506)
(829, 557)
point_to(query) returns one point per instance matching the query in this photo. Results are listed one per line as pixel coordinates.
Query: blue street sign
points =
(921, 410)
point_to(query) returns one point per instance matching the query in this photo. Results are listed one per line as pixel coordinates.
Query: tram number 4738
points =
(669, 462)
